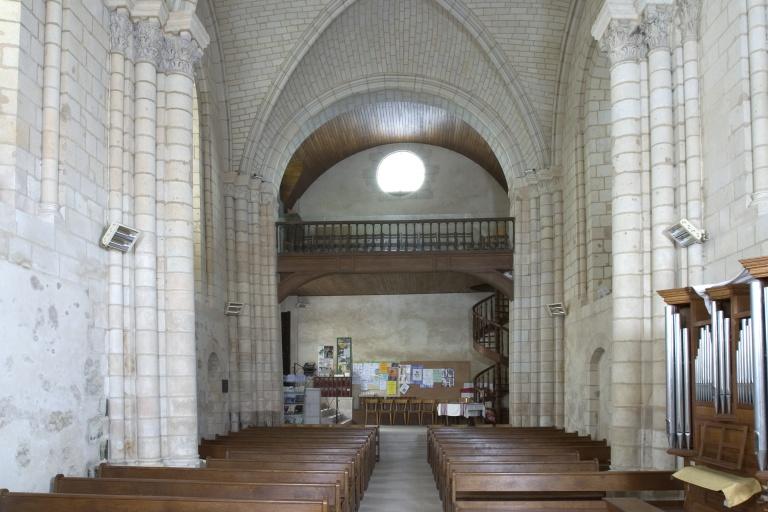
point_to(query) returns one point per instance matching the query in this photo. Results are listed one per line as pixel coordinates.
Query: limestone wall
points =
(736, 226)
(53, 295)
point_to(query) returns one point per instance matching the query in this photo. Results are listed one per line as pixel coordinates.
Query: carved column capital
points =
(120, 31)
(657, 25)
(623, 40)
(689, 14)
(180, 54)
(148, 41)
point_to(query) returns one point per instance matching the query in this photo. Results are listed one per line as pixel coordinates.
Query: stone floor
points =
(402, 479)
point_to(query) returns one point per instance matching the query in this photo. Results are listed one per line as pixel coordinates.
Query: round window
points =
(400, 172)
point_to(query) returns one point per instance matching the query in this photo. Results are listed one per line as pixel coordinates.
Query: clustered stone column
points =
(536, 338)
(254, 335)
(152, 363)
(656, 133)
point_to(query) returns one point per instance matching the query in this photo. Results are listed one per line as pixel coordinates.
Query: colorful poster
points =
(391, 388)
(394, 372)
(383, 367)
(417, 372)
(344, 356)
(325, 361)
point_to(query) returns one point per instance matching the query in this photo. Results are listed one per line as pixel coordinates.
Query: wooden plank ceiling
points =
(393, 284)
(382, 123)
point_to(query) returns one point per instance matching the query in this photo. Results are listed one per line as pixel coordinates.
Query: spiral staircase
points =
(490, 338)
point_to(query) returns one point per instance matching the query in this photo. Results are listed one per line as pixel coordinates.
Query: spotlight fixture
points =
(684, 233)
(119, 237)
(530, 172)
(233, 308)
(556, 309)
(302, 302)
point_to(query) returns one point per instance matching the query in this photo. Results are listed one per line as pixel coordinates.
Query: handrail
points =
(418, 235)
(488, 324)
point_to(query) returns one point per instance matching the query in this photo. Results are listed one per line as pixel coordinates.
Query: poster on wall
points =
(325, 361)
(344, 356)
(394, 372)
(405, 374)
(449, 377)
(417, 374)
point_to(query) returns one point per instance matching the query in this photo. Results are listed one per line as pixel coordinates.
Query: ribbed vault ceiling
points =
(377, 124)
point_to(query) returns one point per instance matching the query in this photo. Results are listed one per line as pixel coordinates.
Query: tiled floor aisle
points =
(402, 479)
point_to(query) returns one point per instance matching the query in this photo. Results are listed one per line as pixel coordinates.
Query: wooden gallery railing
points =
(424, 235)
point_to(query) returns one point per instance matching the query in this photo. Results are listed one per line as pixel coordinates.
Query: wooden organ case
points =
(716, 382)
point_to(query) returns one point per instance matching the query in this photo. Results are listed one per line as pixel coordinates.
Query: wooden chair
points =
(372, 407)
(428, 407)
(386, 407)
(400, 406)
(414, 407)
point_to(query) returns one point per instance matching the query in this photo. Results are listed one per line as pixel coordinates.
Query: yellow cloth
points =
(737, 489)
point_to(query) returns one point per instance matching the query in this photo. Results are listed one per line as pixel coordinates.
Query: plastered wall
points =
(434, 327)
(454, 186)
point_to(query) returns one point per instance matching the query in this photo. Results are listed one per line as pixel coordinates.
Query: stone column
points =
(121, 32)
(179, 55)
(690, 11)
(244, 366)
(271, 353)
(546, 337)
(149, 41)
(663, 259)
(623, 40)
(516, 314)
(534, 306)
(130, 435)
(232, 321)
(559, 332)
(758, 90)
(49, 183)
(258, 335)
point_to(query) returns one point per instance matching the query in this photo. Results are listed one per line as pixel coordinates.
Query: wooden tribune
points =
(713, 392)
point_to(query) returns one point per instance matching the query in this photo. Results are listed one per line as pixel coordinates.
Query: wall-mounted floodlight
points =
(684, 233)
(556, 309)
(119, 237)
(233, 308)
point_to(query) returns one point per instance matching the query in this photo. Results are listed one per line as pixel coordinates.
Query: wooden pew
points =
(269, 462)
(39, 502)
(604, 505)
(329, 494)
(348, 503)
(504, 487)
(446, 489)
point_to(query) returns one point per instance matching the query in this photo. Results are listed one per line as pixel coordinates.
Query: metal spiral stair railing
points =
(490, 333)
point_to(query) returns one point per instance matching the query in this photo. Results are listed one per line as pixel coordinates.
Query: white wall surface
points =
(454, 186)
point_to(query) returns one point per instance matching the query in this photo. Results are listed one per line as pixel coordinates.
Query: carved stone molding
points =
(689, 14)
(120, 31)
(624, 40)
(657, 25)
(148, 41)
(180, 54)
(549, 185)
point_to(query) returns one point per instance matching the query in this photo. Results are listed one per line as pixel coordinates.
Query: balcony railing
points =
(436, 235)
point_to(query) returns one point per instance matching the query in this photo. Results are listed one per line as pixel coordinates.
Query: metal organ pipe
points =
(669, 315)
(686, 389)
(759, 310)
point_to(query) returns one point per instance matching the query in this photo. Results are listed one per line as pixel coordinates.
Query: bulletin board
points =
(459, 371)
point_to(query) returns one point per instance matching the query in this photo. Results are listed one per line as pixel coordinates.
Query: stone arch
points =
(478, 115)
(477, 51)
